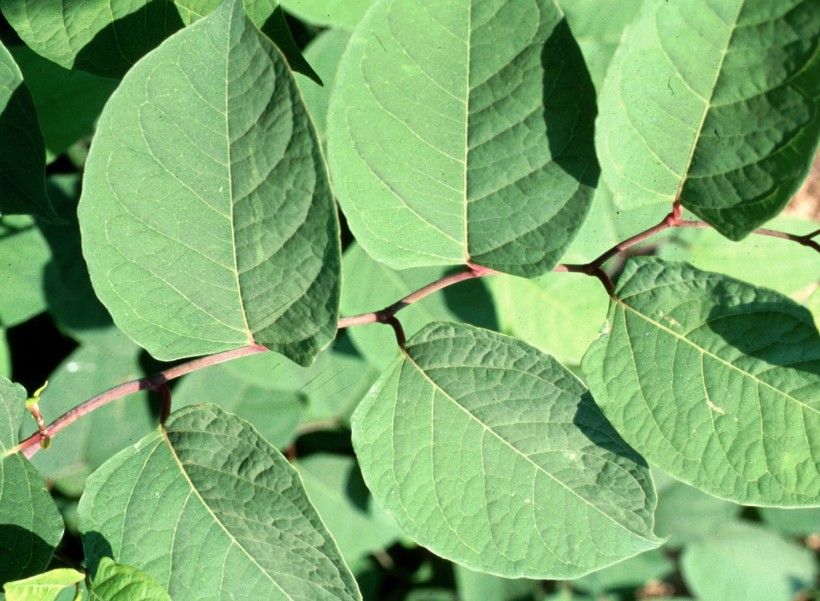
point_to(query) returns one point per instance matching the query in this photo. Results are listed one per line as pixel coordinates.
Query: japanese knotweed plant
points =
(507, 424)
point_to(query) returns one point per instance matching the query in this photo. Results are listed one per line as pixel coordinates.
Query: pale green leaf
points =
(794, 522)
(117, 582)
(22, 160)
(195, 240)
(323, 53)
(209, 481)
(630, 574)
(598, 26)
(372, 286)
(30, 525)
(335, 488)
(42, 587)
(89, 370)
(491, 454)
(67, 102)
(746, 562)
(23, 258)
(685, 514)
(330, 13)
(475, 586)
(462, 131)
(5, 356)
(713, 380)
(713, 102)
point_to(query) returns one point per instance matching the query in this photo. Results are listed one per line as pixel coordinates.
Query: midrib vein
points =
(465, 232)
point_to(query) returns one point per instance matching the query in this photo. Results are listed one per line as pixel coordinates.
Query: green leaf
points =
(598, 26)
(375, 286)
(462, 132)
(713, 380)
(22, 163)
(790, 269)
(631, 573)
(30, 525)
(685, 514)
(24, 256)
(42, 587)
(67, 102)
(335, 488)
(324, 53)
(491, 454)
(329, 13)
(197, 242)
(89, 370)
(117, 582)
(713, 102)
(742, 561)
(5, 356)
(794, 522)
(107, 37)
(209, 481)
(475, 586)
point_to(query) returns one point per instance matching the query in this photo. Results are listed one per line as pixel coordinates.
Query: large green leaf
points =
(117, 582)
(335, 13)
(30, 525)
(598, 27)
(42, 587)
(87, 371)
(715, 381)
(491, 454)
(208, 481)
(372, 286)
(746, 562)
(23, 257)
(462, 131)
(713, 102)
(107, 37)
(335, 487)
(206, 214)
(22, 158)
(67, 102)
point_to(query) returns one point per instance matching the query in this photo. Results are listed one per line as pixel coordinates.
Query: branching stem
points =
(387, 315)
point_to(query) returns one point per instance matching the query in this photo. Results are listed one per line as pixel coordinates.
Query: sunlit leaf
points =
(117, 582)
(42, 587)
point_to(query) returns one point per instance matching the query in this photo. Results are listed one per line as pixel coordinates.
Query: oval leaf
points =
(209, 481)
(23, 160)
(494, 456)
(30, 525)
(713, 102)
(206, 215)
(116, 582)
(462, 132)
(715, 381)
(42, 587)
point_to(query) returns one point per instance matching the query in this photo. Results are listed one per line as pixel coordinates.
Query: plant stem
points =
(154, 382)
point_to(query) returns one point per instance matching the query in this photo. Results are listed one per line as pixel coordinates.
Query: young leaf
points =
(117, 582)
(206, 215)
(90, 369)
(30, 525)
(24, 256)
(713, 102)
(492, 455)
(335, 487)
(42, 587)
(461, 132)
(22, 162)
(746, 562)
(209, 483)
(67, 102)
(375, 285)
(713, 380)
